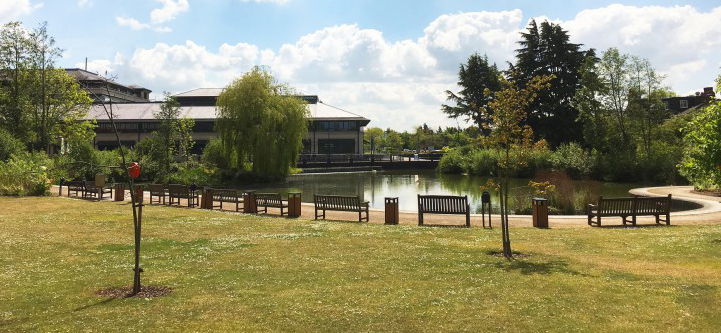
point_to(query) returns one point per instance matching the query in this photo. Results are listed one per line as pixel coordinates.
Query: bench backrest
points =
(337, 202)
(263, 199)
(443, 204)
(177, 189)
(653, 205)
(156, 189)
(634, 205)
(74, 185)
(226, 195)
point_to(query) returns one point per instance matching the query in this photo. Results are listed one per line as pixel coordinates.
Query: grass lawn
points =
(247, 273)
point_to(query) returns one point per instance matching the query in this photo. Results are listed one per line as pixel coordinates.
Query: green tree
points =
(548, 51)
(645, 104)
(374, 137)
(393, 141)
(509, 107)
(476, 79)
(701, 162)
(40, 103)
(14, 96)
(261, 124)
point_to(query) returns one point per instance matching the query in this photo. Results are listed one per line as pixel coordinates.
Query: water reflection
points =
(406, 185)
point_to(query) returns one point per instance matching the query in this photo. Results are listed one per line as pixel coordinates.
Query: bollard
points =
(294, 204)
(540, 213)
(392, 216)
(249, 205)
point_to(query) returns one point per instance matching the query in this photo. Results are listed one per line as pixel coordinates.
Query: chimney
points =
(708, 91)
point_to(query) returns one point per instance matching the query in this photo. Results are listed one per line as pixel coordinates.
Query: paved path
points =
(709, 213)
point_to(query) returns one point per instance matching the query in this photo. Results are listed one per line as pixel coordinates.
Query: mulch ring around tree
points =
(125, 292)
(515, 254)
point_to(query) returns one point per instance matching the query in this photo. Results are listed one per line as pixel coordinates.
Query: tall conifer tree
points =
(548, 51)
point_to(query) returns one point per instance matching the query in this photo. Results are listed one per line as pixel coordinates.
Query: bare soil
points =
(125, 292)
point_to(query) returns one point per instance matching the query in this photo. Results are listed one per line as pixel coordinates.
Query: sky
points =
(391, 61)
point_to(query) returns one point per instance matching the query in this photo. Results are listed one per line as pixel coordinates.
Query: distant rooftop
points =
(201, 92)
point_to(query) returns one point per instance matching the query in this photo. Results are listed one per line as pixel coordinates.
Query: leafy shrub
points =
(9, 145)
(571, 158)
(190, 173)
(25, 174)
(213, 154)
(453, 162)
(482, 162)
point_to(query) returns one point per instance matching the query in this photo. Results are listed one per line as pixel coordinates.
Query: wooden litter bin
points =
(392, 215)
(139, 189)
(540, 213)
(206, 201)
(119, 194)
(294, 204)
(249, 204)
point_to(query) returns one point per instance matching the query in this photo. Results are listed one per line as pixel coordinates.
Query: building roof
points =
(201, 92)
(146, 111)
(83, 75)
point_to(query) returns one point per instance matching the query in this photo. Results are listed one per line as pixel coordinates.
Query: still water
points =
(406, 185)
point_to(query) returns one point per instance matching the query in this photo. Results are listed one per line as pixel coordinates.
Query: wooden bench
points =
(443, 204)
(91, 190)
(76, 187)
(630, 207)
(225, 195)
(340, 203)
(158, 191)
(177, 192)
(266, 200)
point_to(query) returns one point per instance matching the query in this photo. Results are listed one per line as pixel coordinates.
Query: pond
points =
(570, 196)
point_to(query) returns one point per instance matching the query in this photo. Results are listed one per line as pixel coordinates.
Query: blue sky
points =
(388, 60)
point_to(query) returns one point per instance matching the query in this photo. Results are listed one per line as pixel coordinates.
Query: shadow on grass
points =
(529, 268)
(631, 226)
(457, 226)
(103, 302)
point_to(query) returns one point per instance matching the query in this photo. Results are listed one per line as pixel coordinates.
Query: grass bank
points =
(235, 272)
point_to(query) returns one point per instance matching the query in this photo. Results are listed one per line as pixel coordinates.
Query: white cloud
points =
(400, 84)
(84, 3)
(678, 40)
(131, 23)
(169, 11)
(158, 16)
(12, 9)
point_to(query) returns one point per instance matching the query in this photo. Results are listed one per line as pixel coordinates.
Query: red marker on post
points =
(134, 170)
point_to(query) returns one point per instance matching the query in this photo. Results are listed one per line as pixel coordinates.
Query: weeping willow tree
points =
(261, 124)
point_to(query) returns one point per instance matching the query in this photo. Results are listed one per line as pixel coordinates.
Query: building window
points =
(683, 104)
(333, 126)
(336, 146)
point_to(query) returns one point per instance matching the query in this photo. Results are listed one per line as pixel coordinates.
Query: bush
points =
(213, 154)
(188, 174)
(9, 145)
(453, 162)
(571, 158)
(25, 174)
(483, 162)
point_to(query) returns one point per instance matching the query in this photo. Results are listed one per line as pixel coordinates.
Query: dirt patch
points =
(515, 254)
(125, 292)
(713, 193)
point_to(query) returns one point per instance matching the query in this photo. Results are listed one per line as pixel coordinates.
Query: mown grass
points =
(235, 272)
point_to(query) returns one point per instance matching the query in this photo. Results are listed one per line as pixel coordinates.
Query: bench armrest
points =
(590, 207)
(365, 203)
